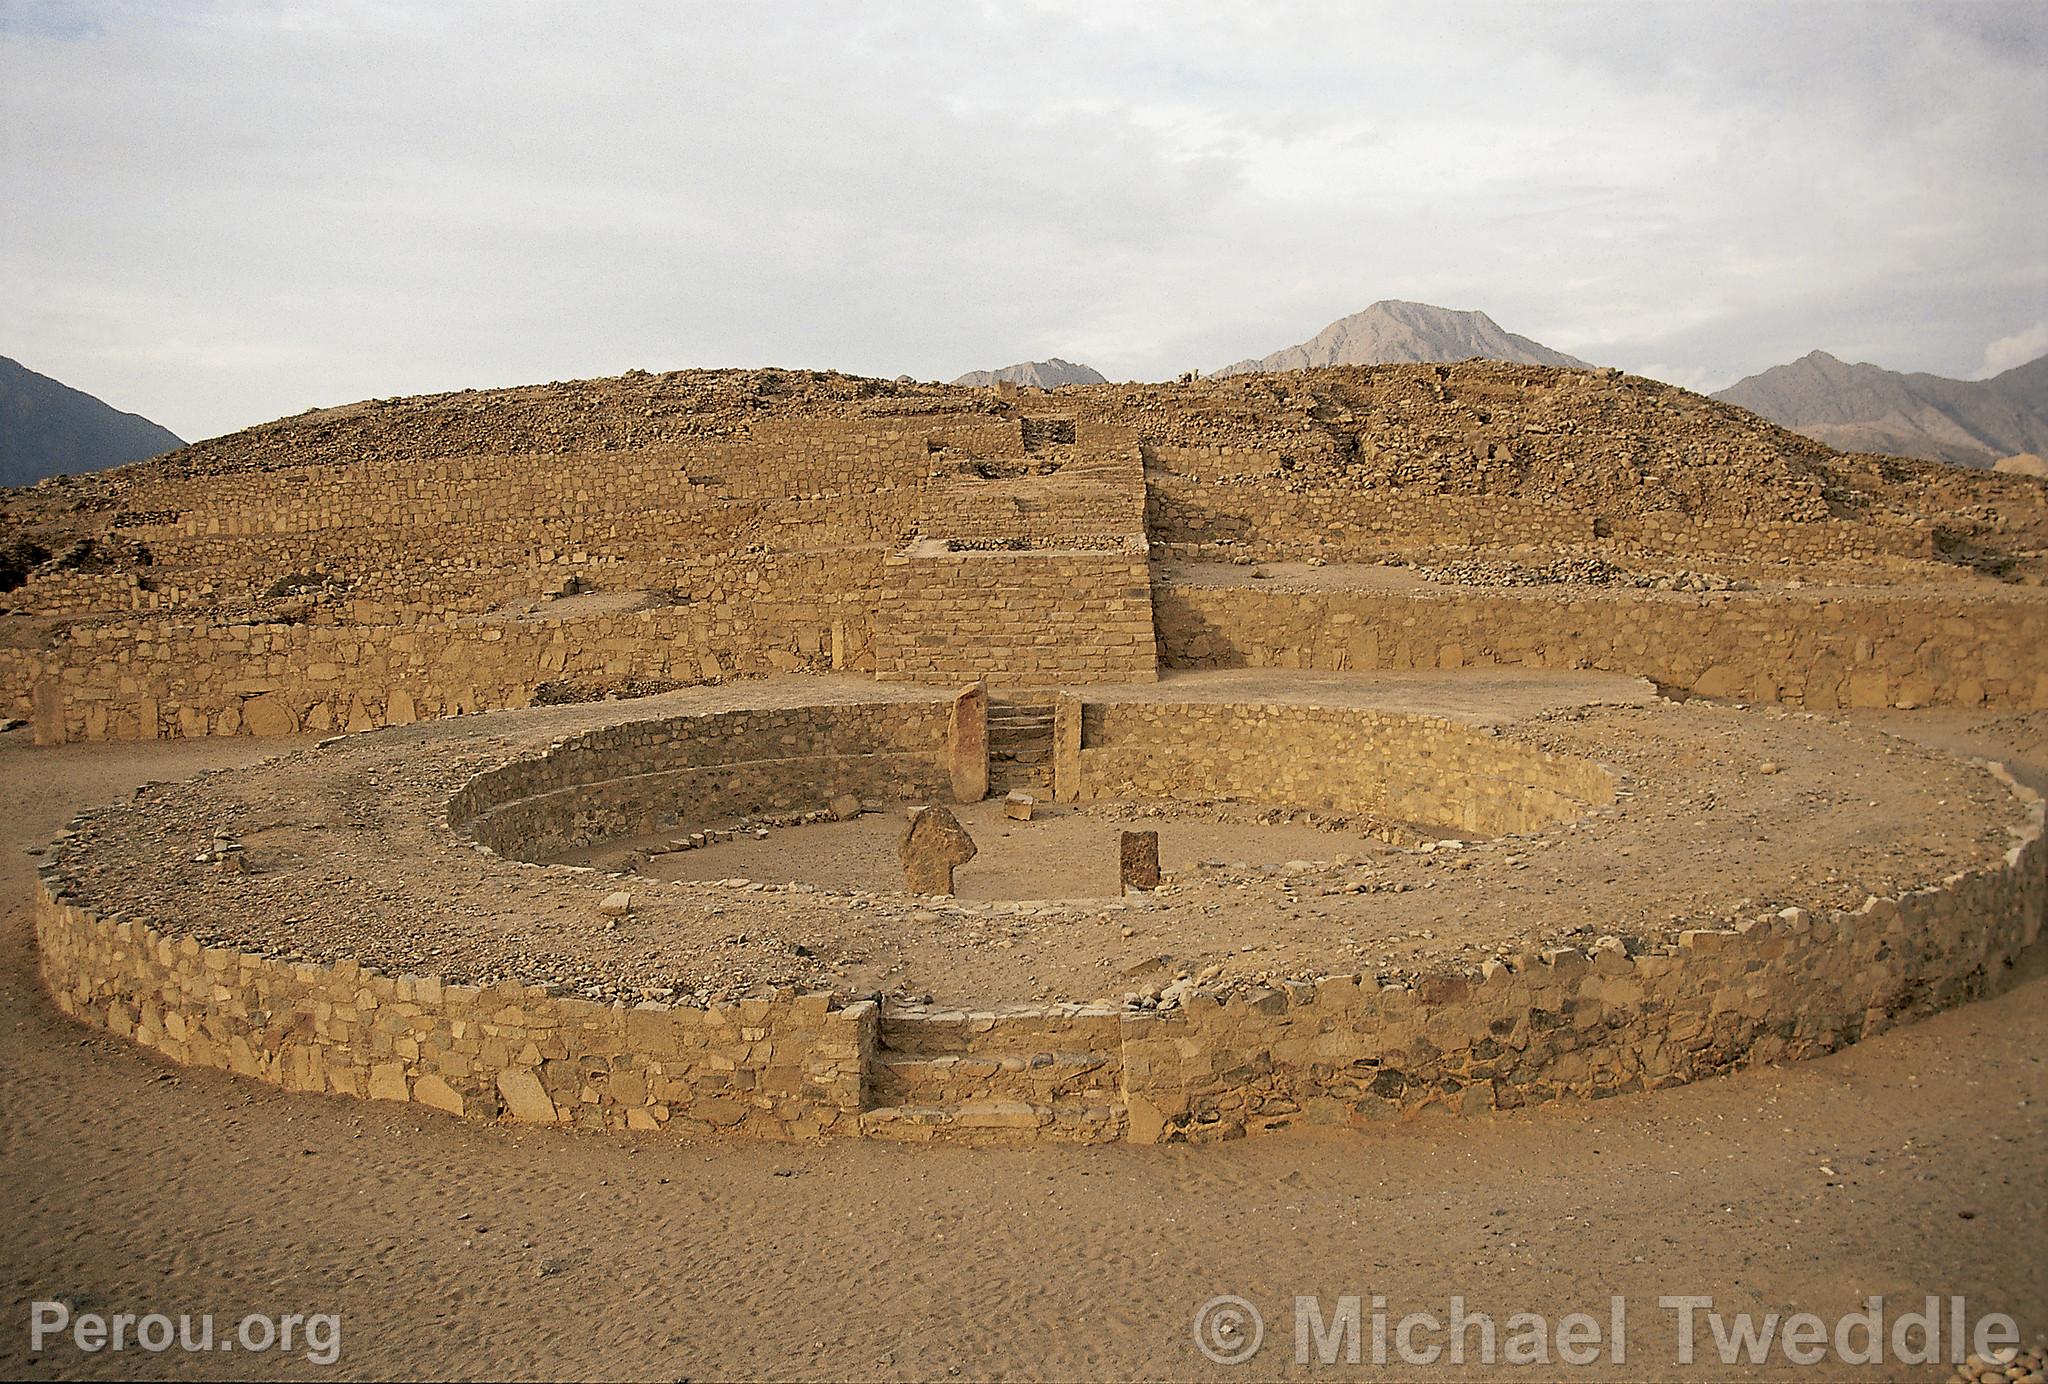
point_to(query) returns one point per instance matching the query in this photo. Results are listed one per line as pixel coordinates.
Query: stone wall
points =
(171, 675)
(785, 1066)
(1574, 1023)
(1814, 649)
(649, 776)
(1521, 1030)
(1015, 617)
(1423, 769)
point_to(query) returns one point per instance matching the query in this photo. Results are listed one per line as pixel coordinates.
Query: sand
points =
(1914, 1163)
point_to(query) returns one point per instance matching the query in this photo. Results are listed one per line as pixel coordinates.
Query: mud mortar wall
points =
(652, 776)
(1415, 768)
(1343, 1050)
(1817, 651)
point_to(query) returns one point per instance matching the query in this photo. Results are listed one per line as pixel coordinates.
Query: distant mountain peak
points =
(1396, 331)
(1867, 408)
(1042, 374)
(48, 428)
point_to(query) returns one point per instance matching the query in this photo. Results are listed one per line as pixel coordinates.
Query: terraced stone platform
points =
(372, 917)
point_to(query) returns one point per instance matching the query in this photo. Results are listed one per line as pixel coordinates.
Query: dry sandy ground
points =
(1915, 1163)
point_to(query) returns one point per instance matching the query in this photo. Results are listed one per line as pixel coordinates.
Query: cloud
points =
(229, 210)
(2017, 349)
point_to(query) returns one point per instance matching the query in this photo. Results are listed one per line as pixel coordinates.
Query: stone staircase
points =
(956, 1077)
(1020, 744)
(1030, 569)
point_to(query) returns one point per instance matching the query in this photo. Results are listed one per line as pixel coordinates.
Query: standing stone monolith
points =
(967, 744)
(1140, 862)
(933, 845)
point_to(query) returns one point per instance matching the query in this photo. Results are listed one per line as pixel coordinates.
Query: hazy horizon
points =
(220, 213)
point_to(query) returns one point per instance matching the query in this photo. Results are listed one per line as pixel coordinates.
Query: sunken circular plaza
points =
(1473, 892)
(1508, 732)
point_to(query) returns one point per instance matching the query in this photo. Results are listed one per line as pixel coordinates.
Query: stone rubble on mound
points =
(1572, 571)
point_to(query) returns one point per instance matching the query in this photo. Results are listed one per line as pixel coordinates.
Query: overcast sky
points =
(219, 213)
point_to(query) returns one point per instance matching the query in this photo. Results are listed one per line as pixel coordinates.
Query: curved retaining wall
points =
(1417, 768)
(650, 776)
(1524, 1029)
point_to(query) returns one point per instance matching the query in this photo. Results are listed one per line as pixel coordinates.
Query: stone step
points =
(920, 1032)
(995, 1122)
(954, 1079)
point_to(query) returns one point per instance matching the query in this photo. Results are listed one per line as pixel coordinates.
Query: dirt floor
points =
(1064, 851)
(1912, 1164)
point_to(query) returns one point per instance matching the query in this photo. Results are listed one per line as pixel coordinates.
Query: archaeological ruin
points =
(789, 754)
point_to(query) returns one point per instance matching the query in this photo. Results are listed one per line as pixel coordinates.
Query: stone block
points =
(967, 744)
(1138, 864)
(526, 1099)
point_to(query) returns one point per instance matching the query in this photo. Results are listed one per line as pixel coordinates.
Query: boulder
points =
(1017, 805)
(845, 807)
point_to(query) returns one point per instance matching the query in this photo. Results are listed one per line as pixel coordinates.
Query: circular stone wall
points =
(318, 922)
(642, 777)
(647, 779)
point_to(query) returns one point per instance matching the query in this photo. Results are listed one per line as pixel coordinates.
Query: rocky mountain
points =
(47, 428)
(1395, 333)
(1865, 408)
(1043, 374)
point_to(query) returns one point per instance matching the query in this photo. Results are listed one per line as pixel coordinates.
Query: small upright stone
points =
(1017, 805)
(616, 904)
(967, 744)
(933, 846)
(845, 807)
(1140, 864)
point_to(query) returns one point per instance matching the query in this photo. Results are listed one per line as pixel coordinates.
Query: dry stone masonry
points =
(397, 564)
(1540, 1024)
(409, 559)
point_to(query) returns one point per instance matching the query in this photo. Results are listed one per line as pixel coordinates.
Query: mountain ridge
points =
(1397, 332)
(1860, 407)
(1040, 374)
(48, 428)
